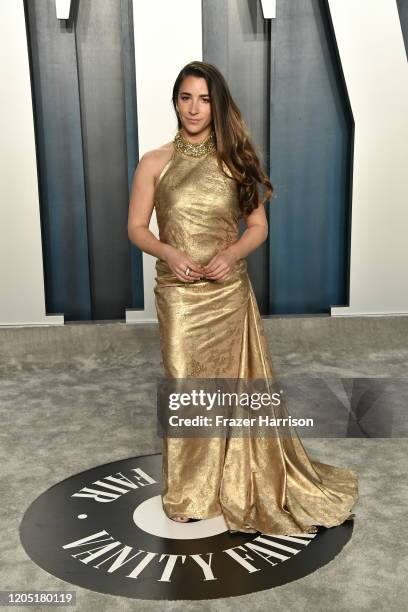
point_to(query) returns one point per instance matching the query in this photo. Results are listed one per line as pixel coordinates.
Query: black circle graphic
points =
(82, 530)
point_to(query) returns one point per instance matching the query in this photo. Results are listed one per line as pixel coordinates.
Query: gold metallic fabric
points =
(213, 329)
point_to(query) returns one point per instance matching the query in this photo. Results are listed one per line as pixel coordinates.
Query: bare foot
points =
(180, 519)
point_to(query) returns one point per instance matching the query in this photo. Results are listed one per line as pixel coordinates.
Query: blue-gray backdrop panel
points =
(311, 147)
(83, 80)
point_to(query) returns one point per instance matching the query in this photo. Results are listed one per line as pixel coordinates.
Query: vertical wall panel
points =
(60, 162)
(85, 111)
(99, 52)
(311, 144)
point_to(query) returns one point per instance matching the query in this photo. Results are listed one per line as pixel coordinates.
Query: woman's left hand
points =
(220, 266)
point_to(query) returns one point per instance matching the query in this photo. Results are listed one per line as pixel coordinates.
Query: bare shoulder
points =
(156, 159)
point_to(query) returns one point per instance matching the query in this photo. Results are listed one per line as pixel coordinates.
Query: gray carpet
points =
(81, 395)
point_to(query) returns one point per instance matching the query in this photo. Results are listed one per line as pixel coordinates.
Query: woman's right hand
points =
(178, 261)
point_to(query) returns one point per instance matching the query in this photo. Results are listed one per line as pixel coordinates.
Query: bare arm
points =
(255, 234)
(141, 208)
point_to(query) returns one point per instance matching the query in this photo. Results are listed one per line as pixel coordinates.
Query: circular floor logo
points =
(104, 529)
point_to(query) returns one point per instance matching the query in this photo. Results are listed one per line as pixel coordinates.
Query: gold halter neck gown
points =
(213, 329)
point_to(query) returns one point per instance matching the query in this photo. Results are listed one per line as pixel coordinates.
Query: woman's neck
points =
(195, 138)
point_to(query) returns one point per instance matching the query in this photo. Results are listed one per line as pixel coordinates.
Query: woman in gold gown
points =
(210, 325)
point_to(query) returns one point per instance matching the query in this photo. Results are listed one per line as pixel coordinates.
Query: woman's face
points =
(194, 104)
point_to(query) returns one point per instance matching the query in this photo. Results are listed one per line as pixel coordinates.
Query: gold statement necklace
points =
(195, 149)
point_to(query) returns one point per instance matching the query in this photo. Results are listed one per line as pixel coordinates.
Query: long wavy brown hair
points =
(234, 145)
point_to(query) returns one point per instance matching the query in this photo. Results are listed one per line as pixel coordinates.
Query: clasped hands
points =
(217, 269)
